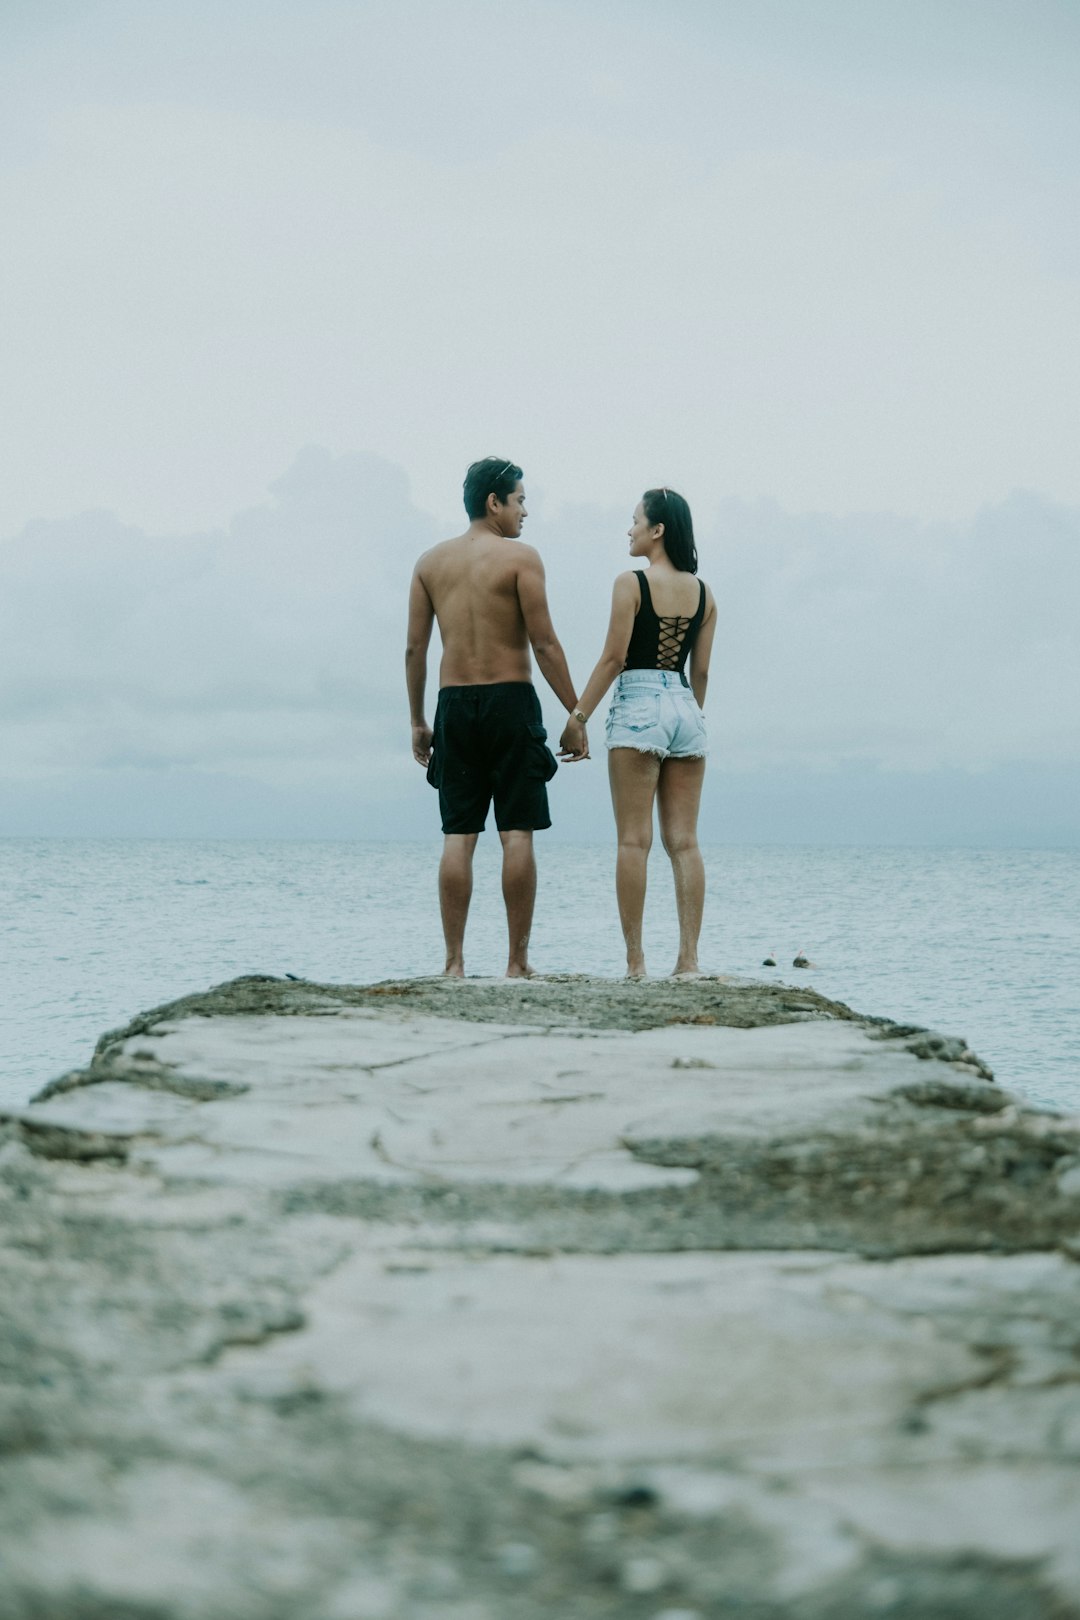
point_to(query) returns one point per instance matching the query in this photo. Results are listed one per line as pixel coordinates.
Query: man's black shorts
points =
(490, 743)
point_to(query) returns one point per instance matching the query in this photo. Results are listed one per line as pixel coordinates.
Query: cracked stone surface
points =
(492, 1302)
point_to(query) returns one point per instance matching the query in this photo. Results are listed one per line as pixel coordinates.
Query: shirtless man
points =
(486, 590)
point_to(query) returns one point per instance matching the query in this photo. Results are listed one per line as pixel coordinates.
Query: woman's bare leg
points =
(678, 798)
(455, 892)
(633, 778)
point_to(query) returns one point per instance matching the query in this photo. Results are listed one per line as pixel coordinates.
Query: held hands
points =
(573, 744)
(421, 743)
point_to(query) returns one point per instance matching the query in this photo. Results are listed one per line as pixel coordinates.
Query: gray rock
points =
(498, 1302)
(1068, 1181)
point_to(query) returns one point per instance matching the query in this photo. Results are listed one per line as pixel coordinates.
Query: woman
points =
(661, 619)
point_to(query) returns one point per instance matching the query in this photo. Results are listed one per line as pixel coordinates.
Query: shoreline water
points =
(983, 942)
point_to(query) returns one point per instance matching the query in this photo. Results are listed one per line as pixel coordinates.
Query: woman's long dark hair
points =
(666, 506)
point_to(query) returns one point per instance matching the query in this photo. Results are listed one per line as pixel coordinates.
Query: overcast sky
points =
(272, 274)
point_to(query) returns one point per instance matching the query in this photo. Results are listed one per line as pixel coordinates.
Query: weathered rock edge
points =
(568, 1000)
(938, 1159)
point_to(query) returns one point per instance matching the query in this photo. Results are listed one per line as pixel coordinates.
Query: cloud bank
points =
(874, 678)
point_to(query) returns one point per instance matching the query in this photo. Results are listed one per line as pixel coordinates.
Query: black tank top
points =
(662, 643)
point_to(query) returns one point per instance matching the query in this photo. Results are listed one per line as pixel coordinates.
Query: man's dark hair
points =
(492, 476)
(666, 506)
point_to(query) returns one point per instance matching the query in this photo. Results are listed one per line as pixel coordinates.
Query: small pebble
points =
(601, 1528)
(518, 1559)
(642, 1575)
(885, 1593)
(438, 1579)
(364, 1597)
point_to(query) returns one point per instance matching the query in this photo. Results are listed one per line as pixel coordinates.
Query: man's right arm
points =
(418, 639)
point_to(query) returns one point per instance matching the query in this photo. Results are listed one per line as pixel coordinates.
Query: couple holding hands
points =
(486, 591)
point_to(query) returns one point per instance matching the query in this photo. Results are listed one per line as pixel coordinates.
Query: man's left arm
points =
(417, 641)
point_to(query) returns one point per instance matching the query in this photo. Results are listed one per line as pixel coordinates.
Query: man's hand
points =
(573, 744)
(421, 743)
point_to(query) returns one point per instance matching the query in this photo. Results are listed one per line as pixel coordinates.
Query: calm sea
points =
(980, 943)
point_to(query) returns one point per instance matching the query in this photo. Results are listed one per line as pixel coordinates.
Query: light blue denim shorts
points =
(653, 711)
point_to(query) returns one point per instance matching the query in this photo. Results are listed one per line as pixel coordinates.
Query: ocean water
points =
(980, 943)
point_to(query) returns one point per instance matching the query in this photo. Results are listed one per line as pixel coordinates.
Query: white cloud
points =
(913, 648)
(273, 649)
(271, 652)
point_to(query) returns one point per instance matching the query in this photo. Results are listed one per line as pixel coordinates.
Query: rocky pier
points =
(571, 1298)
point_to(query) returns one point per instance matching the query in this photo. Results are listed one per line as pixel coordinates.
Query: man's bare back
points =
(474, 583)
(487, 591)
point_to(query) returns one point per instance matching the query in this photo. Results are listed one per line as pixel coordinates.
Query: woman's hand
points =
(573, 744)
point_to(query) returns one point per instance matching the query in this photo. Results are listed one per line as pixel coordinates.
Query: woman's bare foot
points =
(686, 970)
(454, 970)
(635, 967)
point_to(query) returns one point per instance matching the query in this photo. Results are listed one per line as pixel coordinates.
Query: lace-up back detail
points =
(662, 642)
(672, 634)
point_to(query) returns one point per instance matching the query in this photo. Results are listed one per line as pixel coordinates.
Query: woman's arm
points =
(701, 651)
(625, 601)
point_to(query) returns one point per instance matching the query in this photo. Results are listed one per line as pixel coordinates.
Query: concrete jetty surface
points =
(571, 1298)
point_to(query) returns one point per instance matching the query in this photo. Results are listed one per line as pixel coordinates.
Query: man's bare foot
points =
(454, 970)
(686, 970)
(520, 970)
(635, 967)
